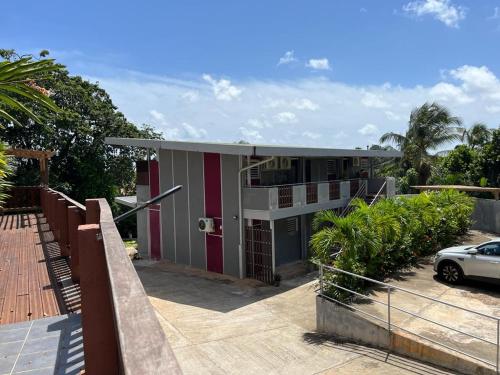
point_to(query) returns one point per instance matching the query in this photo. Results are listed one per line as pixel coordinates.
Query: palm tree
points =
(477, 135)
(18, 79)
(430, 127)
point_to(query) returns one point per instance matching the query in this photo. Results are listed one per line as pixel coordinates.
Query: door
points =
(486, 263)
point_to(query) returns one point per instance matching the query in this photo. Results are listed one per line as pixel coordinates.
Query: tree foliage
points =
(430, 126)
(84, 166)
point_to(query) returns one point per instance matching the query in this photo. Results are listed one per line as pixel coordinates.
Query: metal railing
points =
(378, 195)
(361, 192)
(390, 306)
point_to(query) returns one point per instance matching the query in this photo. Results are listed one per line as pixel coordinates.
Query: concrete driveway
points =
(220, 325)
(478, 296)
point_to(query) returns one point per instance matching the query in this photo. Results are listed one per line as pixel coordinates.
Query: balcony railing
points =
(334, 190)
(311, 193)
(311, 196)
(285, 196)
(121, 333)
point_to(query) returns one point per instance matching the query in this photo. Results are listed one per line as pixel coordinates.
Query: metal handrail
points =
(379, 192)
(361, 190)
(148, 203)
(390, 306)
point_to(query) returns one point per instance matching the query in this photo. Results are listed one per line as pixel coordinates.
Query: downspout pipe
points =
(240, 198)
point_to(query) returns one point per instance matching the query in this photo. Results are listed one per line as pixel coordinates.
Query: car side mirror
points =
(472, 252)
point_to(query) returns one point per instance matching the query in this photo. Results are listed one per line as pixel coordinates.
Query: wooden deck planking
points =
(32, 271)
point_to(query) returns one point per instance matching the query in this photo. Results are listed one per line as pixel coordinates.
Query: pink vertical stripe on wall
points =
(154, 212)
(213, 209)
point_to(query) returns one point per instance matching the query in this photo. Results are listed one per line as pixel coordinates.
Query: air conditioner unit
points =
(285, 163)
(355, 162)
(272, 164)
(206, 224)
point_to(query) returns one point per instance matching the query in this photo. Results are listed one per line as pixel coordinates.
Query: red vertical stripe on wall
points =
(154, 211)
(213, 209)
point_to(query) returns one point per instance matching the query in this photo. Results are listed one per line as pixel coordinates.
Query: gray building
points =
(244, 210)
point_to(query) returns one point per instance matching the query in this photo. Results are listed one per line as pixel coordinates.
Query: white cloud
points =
(447, 92)
(158, 117)
(251, 135)
(369, 129)
(392, 116)
(340, 109)
(372, 100)
(223, 89)
(304, 104)
(190, 96)
(301, 104)
(442, 10)
(496, 14)
(319, 64)
(285, 118)
(476, 78)
(192, 132)
(311, 135)
(287, 58)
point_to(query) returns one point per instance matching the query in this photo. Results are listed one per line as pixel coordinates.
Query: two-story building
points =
(244, 210)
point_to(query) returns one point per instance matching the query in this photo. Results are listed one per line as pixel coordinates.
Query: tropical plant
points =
(430, 126)
(20, 93)
(5, 171)
(19, 79)
(477, 135)
(391, 235)
(84, 165)
(486, 167)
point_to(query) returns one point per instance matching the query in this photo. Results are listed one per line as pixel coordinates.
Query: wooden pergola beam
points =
(29, 154)
(42, 156)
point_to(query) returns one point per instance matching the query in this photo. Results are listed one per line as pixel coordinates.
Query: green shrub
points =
(389, 236)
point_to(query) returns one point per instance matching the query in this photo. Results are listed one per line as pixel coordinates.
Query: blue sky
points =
(327, 73)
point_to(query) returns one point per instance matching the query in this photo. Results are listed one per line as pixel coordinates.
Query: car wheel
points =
(451, 273)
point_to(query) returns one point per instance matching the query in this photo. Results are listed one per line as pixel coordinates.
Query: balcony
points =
(70, 294)
(277, 202)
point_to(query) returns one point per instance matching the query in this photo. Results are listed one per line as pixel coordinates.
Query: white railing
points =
(379, 194)
(324, 283)
(359, 194)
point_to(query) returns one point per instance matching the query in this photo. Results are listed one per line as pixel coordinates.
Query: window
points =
(492, 248)
(292, 225)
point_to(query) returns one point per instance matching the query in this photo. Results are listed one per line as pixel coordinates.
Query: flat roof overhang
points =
(249, 149)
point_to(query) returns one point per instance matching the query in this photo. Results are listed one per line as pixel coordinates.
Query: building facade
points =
(260, 201)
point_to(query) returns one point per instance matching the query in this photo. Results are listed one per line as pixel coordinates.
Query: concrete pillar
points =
(273, 198)
(345, 190)
(299, 195)
(323, 192)
(390, 187)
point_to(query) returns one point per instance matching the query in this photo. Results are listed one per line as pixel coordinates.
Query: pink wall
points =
(213, 209)
(154, 212)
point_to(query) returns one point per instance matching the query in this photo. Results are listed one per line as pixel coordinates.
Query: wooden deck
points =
(35, 281)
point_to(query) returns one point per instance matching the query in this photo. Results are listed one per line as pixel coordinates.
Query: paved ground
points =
(474, 295)
(218, 325)
(43, 346)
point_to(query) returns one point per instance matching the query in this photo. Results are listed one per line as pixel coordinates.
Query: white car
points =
(476, 262)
